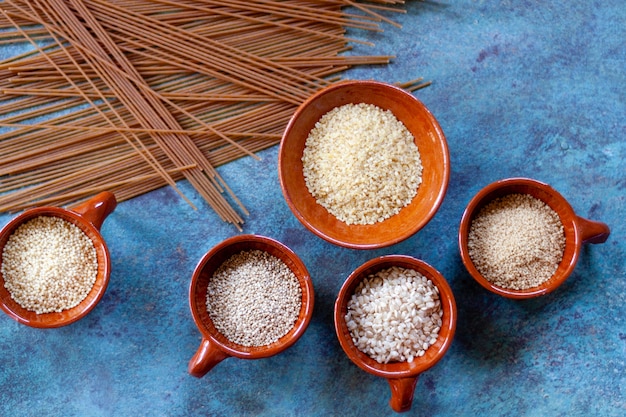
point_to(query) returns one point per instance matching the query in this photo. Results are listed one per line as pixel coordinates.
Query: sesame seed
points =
(253, 298)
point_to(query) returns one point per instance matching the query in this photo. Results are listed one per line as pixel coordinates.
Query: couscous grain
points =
(516, 242)
(361, 164)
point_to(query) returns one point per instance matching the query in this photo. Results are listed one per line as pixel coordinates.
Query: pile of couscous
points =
(361, 164)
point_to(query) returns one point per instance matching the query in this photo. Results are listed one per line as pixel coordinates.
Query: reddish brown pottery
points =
(401, 376)
(88, 217)
(215, 347)
(577, 232)
(429, 139)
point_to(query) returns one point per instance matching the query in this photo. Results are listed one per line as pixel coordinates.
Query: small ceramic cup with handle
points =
(578, 231)
(88, 217)
(215, 347)
(401, 376)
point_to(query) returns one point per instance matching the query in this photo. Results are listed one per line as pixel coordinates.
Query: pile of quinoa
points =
(361, 164)
(516, 242)
(394, 315)
(253, 298)
(49, 265)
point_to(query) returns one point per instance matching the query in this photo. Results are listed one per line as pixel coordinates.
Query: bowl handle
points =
(97, 208)
(592, 231)
(402, 390)
(207, 356)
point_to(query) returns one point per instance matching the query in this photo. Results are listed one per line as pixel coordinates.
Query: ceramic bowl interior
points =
(213, 259)
(542, 192)
(49, 320)
(430, 141)
(396, 369)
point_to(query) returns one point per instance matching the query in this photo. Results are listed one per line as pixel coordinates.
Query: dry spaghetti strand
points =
(132, 95)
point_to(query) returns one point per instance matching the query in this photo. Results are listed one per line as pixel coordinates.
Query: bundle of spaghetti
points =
(132, 95)
(139, 148)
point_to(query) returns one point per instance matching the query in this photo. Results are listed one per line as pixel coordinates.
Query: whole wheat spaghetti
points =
(132, 95)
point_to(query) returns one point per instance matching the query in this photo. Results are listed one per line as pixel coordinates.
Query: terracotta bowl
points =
(87, 216)
(577, 231)
(215, 347)
(429, 138)
(401, 376)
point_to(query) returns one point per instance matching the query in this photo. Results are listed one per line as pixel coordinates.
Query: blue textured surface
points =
(521, 88)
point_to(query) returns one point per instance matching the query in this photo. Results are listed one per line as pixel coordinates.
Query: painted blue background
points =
(520, 88)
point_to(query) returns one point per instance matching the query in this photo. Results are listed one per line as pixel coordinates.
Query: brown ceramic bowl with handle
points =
(401, 376)
(577, 232)
(215, 347)
(88, 217)
(429, 139)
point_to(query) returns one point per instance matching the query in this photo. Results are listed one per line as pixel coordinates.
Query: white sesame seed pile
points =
(394, 315)
(49, 265)
(361, 164)
(253, 298)
(516, 242)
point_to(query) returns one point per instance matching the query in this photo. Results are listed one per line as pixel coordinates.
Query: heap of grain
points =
(253, 298)
(516, 242)
(361, 164)
(49, 265)
(394, 315)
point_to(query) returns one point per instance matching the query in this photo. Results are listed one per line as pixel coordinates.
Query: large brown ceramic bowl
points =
(577, 231)
(88, 217)
(215, 347)
(430, 141)
(401, 376)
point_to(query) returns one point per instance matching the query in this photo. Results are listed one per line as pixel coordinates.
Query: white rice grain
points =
(394, 315)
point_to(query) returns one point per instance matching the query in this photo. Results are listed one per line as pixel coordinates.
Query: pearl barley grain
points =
(49, 265)
(253, 298)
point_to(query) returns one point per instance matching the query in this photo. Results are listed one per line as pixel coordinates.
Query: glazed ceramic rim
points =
(254, 352)
(407, 232)
(487, 194)
(396, 370)
(69, 316)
